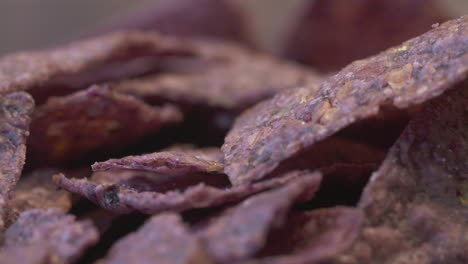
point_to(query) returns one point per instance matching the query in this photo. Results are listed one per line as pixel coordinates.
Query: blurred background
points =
(32, 24)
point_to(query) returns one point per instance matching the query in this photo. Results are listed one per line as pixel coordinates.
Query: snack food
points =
(415, 204)
(171, 163)
(156, 241)
(15, 116)
(242, 231)
(84, 63)
(230, 78)
(124, 199)
(37, 191)
(60, 235)
(67, 128)
(319, 173)
(276, 129)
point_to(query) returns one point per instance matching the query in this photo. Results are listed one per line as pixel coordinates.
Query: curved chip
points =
(66, 128)
(36, 190)
(121, 198)
(333, 33)
(15, 116)
(171, 163)
(292, 121)
(60, 235)
(415, 203)
(242, 230)
(163, 239)
(28, 70)
(236, 79)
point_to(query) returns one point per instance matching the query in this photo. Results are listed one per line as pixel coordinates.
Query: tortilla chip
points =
(234, 79)
(67, 128)
(15, 116)
(242, 230)
(163, 238)
(415, 203)
(292, 121)
(64, 238)
(120, 198)
(77, 64)
(171, 163)
(37, 191)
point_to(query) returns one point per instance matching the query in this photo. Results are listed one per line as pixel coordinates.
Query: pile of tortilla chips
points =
(167, 147)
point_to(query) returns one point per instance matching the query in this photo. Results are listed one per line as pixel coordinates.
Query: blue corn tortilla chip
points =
(163, 238)
(60, 235)
(240, 232)
(15, 116)
(67, 128)
(293, 121)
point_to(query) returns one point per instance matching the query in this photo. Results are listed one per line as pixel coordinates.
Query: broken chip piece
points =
(291, 122)
(163, 238)
(122, 199)
(220, 82)
(39, 70)
(171, 163)
(243, 230)
(66, 128)
(234, 79)
(64, 238)
(411, 205)
(15, 116)
(36, 190)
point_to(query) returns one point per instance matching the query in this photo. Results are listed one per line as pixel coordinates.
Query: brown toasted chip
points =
(60, 235)
(236, 79)
(168, 162)
(66, 128)
(189, 18)
(415, 204)
(312, 237)
(242, 230)
(120, 197)
(162, 239)
(36, 190)
(109, 57)
(292, 121)
(333, 33)
(15, 116)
